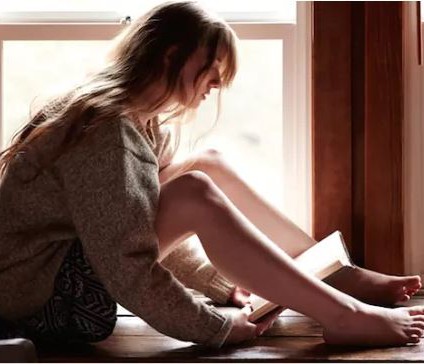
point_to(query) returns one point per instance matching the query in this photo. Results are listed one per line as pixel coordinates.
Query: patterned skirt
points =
(79, 311)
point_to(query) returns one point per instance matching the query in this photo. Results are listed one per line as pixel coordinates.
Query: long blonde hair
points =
(136, 62)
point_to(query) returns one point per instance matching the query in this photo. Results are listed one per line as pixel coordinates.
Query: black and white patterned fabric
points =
(79, 311)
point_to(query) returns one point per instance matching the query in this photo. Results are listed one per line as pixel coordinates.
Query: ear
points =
(169, 54)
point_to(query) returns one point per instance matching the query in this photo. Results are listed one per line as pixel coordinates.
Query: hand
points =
(244, 330)
(240, 297)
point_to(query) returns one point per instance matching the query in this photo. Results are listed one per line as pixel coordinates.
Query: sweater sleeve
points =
(196, 272)
(112, 197)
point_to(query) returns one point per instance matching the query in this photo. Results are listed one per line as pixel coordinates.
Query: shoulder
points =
(111, 137)
(132, 140)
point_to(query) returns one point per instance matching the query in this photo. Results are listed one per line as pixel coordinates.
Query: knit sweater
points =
(105, 192)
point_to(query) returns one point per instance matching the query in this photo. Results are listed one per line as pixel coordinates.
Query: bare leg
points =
(193, 203)
(366, 285)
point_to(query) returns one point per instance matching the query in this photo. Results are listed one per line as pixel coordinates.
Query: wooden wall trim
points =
(383, 137)
(331, 120)
(357, 119)
(358, 132)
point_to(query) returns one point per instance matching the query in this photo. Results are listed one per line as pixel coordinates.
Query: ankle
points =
(355, 313)
(344, 313)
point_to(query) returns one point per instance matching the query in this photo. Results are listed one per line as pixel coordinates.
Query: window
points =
(263, 128)
(264, 118)
(235, 10)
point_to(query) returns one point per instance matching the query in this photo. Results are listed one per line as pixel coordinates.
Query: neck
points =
(144, 101)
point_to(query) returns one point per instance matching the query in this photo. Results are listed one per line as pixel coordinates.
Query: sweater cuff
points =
(220, 289)
(219, 338)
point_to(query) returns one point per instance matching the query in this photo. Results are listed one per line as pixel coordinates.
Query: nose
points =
(215, 83)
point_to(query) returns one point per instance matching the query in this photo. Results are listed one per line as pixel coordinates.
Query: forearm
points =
(194, 271)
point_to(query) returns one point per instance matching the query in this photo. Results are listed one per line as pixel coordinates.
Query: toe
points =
(413, 282)
(418, 325)
(414, 339)
(418, 318)
(411, 292)
(416, 310)
(415, 331)
(405, 298)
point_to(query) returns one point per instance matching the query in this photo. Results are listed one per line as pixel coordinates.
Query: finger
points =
(242, 301)
(247, 310)
(267, 322)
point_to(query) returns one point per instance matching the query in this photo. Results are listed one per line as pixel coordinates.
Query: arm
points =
(172, 169)
(198, 273)
(112, 196)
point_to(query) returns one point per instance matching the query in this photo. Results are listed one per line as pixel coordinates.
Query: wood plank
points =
(284, 326)
(282, 349)
(299, 339)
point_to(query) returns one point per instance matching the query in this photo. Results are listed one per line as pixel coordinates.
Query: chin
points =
(194, 104)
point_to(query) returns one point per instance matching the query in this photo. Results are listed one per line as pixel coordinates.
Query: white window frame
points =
(296, 79)
(413, 146)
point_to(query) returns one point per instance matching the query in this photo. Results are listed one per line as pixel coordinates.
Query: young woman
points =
(92, 208)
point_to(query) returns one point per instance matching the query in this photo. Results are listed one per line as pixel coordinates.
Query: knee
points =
(196, 189)
(211, 160)
(194, 184)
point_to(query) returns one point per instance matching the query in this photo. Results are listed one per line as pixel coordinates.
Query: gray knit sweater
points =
(105, 192)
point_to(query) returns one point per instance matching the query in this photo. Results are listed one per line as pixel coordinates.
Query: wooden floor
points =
(293, 338)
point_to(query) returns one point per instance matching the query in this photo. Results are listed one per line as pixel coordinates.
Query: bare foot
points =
(374, 288)
(377, 326)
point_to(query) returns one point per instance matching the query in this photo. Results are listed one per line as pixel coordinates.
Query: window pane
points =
(249, 130)
(236, 9)
(33, 70)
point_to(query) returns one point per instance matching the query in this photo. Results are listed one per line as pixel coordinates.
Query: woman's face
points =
(197, 91)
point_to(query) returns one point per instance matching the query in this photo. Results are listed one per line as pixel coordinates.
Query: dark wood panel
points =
(383, 137)
(331, 123)
(358, 133)
(357, 129)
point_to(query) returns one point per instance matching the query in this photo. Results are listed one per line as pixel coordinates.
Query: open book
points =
(323, 259)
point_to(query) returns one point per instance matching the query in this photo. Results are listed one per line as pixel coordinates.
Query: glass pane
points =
(33, 70)
(249, 129)
(272, 9)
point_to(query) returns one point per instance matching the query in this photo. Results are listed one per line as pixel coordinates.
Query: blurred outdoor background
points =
(249, 129)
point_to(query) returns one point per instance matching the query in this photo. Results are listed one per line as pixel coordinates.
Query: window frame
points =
(296, 40)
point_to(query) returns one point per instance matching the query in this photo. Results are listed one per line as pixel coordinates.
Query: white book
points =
(323, 259)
